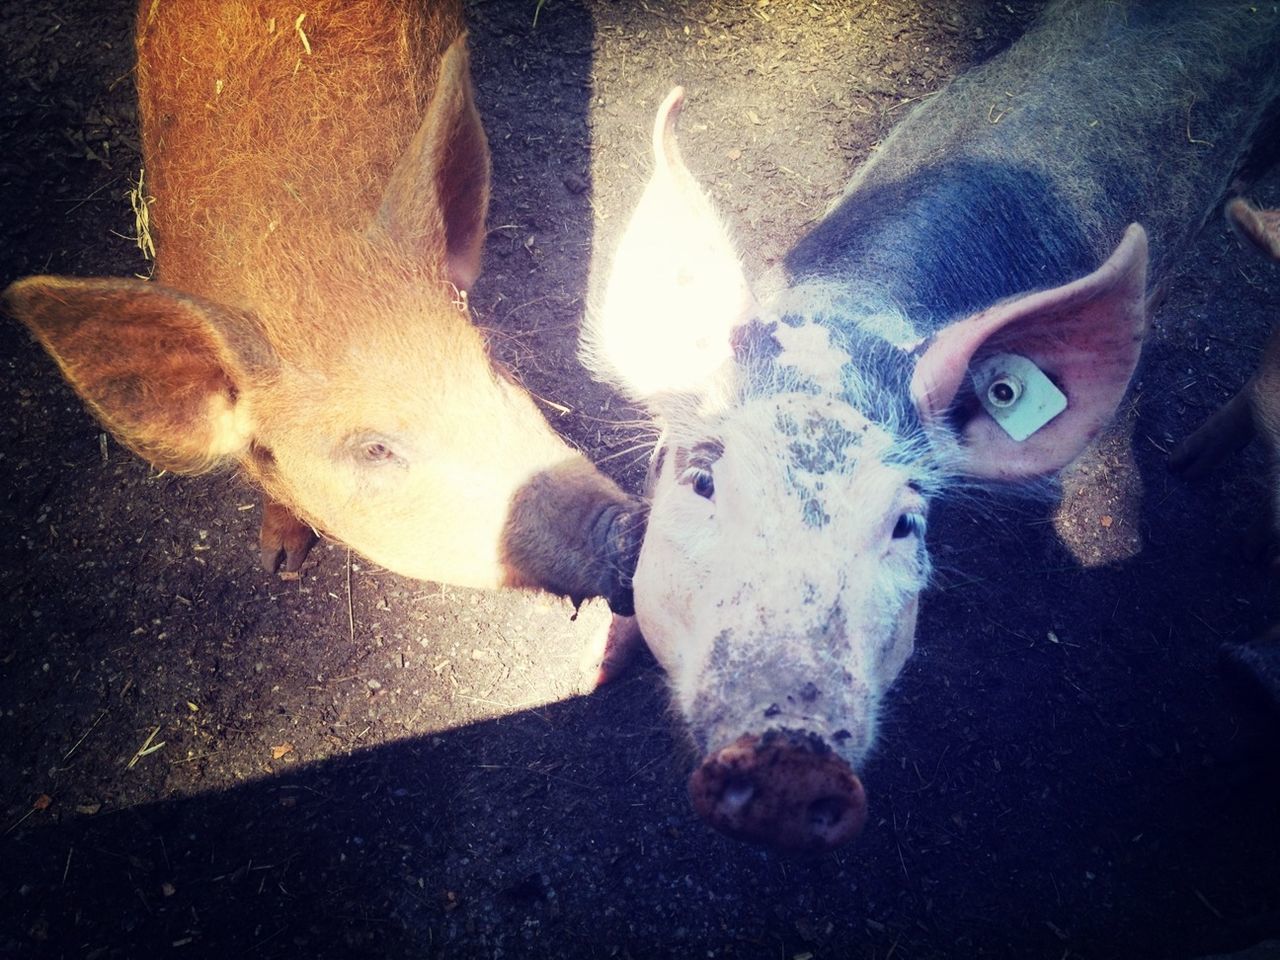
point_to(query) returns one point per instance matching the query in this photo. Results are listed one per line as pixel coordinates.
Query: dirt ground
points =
(199, 760)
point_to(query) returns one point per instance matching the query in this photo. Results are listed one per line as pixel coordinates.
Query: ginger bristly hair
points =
(268, 75)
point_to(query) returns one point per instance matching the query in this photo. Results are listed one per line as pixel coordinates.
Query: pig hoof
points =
(787, 790)
(1195, 456)
(284, 538)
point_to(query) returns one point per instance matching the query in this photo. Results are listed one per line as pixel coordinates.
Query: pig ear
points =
(440, 187)
(163, 371)
(676, 289)
(1086, 336)
(1260, 227)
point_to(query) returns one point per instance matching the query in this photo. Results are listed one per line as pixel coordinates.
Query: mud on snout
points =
(786, 788)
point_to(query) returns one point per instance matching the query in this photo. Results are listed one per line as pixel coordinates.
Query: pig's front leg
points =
(284, 537)
(1224, 433)
(1227, 431)
(1252, 672)
(1254, 411)
(610, 652)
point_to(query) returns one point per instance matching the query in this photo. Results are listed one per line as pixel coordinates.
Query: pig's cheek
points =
(903, 643)
(661, 607)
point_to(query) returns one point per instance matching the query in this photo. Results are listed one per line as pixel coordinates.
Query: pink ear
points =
(438, 195)
(1086, 336)
(1261, 227)
(676, 288)
(168, 373)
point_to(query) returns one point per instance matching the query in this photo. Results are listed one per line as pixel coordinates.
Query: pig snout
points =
(787, 789)
(620, 530)
(571, 531)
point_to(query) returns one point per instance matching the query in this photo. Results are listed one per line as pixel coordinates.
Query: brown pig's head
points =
(341, 371)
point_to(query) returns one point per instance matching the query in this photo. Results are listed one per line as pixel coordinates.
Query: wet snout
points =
(787, 789)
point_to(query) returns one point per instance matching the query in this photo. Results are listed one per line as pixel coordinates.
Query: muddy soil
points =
(197, 759)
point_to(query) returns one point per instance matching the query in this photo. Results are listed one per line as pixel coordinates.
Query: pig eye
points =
(704, 485)
(376, 451)
(371, 452)
(909, 524)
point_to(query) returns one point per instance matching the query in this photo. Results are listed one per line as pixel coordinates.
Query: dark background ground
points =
(359, 765)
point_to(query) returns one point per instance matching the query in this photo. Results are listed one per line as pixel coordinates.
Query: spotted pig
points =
(1001, 244)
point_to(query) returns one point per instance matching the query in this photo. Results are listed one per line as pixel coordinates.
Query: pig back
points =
(1023, 173)
(258, 122)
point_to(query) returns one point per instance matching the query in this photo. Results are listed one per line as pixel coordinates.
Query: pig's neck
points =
(936, 247)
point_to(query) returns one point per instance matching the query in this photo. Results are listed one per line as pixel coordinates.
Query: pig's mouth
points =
(786, 789)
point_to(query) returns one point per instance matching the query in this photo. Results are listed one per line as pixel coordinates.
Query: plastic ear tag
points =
(1017, 394)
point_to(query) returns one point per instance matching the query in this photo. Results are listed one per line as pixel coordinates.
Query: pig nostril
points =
(785, 788)
(827, 813)
(736, 795)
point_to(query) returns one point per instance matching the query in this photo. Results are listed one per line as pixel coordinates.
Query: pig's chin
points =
(666, 628)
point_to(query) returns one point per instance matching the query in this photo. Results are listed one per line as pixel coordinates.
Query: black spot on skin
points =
(772, 710)
(814, 516)
(835, 628)
(720, 650)
(821, 445)
(800, 739)
(840, 736)
(810, 692)
(754, 342)
(826, 445)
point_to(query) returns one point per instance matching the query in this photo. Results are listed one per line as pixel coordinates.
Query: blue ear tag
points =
(1017, 394)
